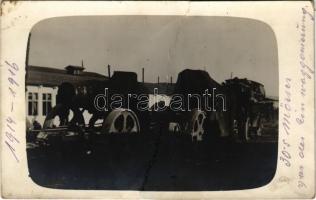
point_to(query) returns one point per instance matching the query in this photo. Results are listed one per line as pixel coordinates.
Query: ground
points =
(156, 161)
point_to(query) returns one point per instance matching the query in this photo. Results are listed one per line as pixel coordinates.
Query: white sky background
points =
(163, 45)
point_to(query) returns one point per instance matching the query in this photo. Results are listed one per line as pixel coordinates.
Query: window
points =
(47, 103)
(33, 103)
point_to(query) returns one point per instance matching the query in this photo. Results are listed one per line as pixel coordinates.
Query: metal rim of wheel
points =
(121, 121)
(196, 126)
(246, 129)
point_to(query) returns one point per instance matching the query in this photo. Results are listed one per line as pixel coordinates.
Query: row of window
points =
(33, 103)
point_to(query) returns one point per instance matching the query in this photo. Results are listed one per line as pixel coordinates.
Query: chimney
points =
(109, 71)
(170, 79)
(158, 80)
(143, 75)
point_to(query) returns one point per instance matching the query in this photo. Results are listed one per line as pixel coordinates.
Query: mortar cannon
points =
(75, 98)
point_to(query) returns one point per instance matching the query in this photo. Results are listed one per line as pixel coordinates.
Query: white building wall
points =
(48, 90)
(39, 90)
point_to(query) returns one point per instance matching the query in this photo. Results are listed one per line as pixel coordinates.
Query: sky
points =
(163, 45)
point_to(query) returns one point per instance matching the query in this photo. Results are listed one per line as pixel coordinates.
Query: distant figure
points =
(36, 125)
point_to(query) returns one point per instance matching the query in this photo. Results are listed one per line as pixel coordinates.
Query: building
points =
(42, 85)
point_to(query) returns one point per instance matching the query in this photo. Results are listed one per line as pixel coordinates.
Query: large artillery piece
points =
(247, 104)
(191, 107)
(213, 110)
(74, 99)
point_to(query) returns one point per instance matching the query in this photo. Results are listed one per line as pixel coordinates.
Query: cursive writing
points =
(301, 175)
(285, 156)
(306, 76)
(10, 138)
(306, 71)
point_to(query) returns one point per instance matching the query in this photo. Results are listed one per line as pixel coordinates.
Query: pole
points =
(109, 71)
(27, 57)
(143, 75)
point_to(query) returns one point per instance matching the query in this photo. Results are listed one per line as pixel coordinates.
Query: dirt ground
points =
(156, 161)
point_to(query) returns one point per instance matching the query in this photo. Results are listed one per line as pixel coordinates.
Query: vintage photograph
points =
(152, 103)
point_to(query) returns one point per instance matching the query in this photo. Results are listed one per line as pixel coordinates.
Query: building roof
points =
(73, 67)
(52, 77)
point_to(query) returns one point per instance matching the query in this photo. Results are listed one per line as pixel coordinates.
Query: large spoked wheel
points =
(196, 125)
(57, 117)
(121, 121)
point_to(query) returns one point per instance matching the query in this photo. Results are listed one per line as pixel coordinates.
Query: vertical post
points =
(231, 75)
(39, 108)
(82, 63)
(27, 57)
(27, 50)
(109, 71)
(158, 80)
(143, 75)
(170, 79)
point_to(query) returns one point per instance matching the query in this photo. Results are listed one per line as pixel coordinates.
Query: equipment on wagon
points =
(198, 107)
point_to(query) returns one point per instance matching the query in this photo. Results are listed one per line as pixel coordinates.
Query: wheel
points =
(196, 125)
(121, 121)
(174, 128)
(244, 129)
(257, 124)
(57, 117)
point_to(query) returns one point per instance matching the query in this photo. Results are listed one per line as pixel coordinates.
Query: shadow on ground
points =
(155, 162)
